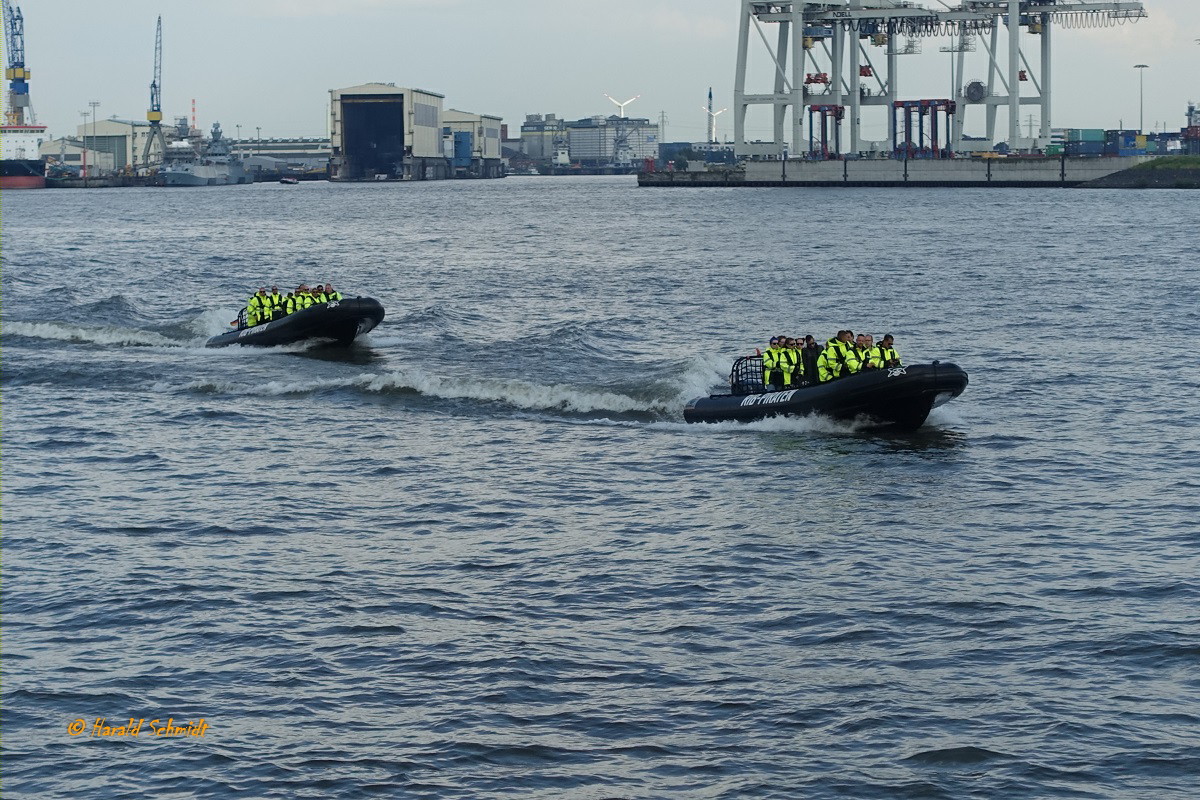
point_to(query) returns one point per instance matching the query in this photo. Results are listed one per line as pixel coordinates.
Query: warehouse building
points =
(616, 143)
(472, 143)
(542, 136)
(384, 132)
(113, 145)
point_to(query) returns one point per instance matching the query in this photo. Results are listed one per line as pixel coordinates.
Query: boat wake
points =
(103, 335)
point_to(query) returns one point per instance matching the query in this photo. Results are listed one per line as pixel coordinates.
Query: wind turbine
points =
(621, 105)
(712, 118)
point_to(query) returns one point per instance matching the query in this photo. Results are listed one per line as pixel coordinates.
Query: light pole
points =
(239, 139)
(93, 104)
(1141, 68)
(84, 168)
(258, 149)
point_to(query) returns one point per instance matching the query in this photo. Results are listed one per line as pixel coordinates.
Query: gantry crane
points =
(15, 71)
(839, 33)
(154, 115)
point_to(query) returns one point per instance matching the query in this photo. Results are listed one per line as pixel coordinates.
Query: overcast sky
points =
(271, 63)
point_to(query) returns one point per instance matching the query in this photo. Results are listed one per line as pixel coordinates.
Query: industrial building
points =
(113, 145)
(381, 131)
(473, 141)
(617, 143)
(542, 136)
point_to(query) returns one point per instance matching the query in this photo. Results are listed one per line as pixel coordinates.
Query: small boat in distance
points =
(288, 180)
(336, 322)
(898, 398)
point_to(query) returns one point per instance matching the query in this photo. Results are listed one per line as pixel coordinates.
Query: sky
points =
(269, 64)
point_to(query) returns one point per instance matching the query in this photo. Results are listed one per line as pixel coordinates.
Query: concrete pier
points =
(960, 172)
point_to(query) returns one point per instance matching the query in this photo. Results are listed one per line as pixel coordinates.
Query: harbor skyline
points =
(275, 65)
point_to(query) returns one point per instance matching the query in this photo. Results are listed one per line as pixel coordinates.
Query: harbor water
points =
(480, 555)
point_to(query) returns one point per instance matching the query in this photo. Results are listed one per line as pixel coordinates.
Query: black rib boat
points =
(338, 321)
(899, 398)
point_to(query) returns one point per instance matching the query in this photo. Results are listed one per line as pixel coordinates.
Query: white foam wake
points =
(516, 393)
(75, 333)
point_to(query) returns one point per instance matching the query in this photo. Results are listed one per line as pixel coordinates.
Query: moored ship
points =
(215, 166)
(21, 166)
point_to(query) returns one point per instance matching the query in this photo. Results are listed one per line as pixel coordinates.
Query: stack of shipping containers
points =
(1084, 142)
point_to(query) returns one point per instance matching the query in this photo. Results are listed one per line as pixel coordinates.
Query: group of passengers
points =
(790, 362)
(264, 306)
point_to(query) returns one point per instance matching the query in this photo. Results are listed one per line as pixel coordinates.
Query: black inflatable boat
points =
(338, 321)
(899, 398)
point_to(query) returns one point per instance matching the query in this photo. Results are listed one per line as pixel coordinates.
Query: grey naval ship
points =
(214, 166)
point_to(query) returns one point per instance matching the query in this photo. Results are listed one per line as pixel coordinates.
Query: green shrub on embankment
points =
(1172, 162)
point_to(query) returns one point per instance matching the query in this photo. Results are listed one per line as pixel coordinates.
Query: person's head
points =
(790, 342)
(329, 287)
(861, 340)
(774, 341)
(809, 340)
(274, 290)
(846, 336)
(870, 340)
(887, 340)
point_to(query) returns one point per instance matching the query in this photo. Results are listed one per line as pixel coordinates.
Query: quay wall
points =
(983, 172)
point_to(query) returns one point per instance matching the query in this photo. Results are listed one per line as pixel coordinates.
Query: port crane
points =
(15, 71)
(821, 55)
(154, 115)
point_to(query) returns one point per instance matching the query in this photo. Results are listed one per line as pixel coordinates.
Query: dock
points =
(1134, 172)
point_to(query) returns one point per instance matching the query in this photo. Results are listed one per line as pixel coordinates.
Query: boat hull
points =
(22, 182)
(899, 398)
(204, 176)
(338, 322)
(22, 173)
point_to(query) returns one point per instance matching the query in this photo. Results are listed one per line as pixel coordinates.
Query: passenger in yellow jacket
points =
(304, 298)
(885, 353)
(258, 308)
(770, 359)
(838, 359)
(789, 362)
(275, 303)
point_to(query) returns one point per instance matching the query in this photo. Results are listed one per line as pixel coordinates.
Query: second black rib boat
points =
(337, 322)
(899, 398)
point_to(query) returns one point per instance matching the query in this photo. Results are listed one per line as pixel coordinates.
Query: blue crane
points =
(154, 115)
(15, 71)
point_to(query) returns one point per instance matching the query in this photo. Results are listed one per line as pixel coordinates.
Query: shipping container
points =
(1085, 134)
(1085, 148)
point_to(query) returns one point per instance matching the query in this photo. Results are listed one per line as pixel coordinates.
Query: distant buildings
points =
(618, 144)
(383, 132)
(113, 145)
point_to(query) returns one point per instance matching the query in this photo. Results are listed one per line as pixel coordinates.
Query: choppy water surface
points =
(479, 555)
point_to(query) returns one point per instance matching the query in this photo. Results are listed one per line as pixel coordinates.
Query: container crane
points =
(15, 72)
(846, 30)
(154, 115)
